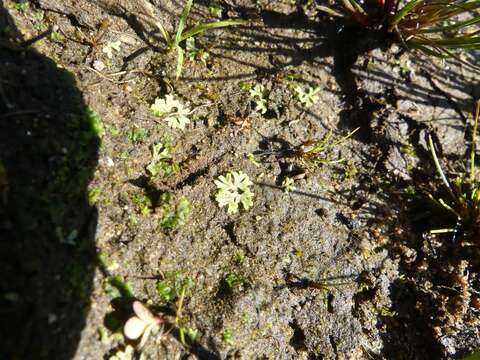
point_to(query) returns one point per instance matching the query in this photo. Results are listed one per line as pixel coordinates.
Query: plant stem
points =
(439, 168)
(474, 142)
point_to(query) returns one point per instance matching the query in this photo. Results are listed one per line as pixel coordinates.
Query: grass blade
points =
(457, 26)
(443, 231)
(329, 11)
(463, 42)
(441, 204)
(209, 26)
(439, 168)
(164, 33)
(358, 8)
(356, 11)
(407, 9)
(346, 137)
(347, 5)
(183, 21)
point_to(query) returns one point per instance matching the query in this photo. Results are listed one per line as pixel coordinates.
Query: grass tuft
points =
(182, 34)
(463, 201)
(435, 27)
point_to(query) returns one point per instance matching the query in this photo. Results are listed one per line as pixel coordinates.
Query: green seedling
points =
(136, 134)
(287, 185)
(143, 204)
(177, 215)
(162, 163)
(233, 189)
(39, 24)
(350, 170)
(232, 281)
(172, 111)
(387, 312)
(463, 201)
(132, 220)
(95, 123)
(113, 130)
(250, 157)
(411, 192)
(176, 43)
(110, 47)
(240, 259)
(228, 338)
(312, 153)
(189, 333)
(315, 153)
(21, 7)
(166, 291)
(258, 94)
(57, 37)
(245, 85)
(409, 151)
(103, 335)
(406, 70)
(246, 318)
(176, 286)
(307, 97)
(125, 354)
(173, 285)
(435, 27)
(193, 53)
(214, 9)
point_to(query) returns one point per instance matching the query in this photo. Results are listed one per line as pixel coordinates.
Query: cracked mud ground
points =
(336, 269)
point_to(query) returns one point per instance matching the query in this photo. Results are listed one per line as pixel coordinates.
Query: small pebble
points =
(98, 65)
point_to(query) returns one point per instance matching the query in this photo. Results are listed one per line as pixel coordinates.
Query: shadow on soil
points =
(351, 56)
(48, 151)
(331, 39)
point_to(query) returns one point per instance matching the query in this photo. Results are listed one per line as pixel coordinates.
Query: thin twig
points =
(20, 112)
(107, 78)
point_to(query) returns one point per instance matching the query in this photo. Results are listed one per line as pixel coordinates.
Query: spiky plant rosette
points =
(436, 27)
(462, 202)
